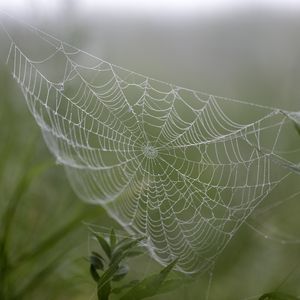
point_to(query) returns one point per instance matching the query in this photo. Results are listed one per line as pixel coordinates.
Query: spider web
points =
(182, 167)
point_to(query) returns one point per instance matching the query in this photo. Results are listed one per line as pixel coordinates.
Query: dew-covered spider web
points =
(182, 167)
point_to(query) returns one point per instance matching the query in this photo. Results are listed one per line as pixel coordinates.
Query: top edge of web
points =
(224, 98)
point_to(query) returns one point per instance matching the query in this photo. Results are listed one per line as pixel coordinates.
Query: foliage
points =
(113, 270)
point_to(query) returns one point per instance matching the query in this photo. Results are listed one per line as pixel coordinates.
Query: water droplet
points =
(61, 86)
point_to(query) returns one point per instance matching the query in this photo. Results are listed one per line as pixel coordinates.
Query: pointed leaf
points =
(94, 273)
(98, 255)
(132, 253)
(104, 244)
(124, 245)
(123, 241)
(109, 272)
(119, 289)
(97, 261)
(165, 271)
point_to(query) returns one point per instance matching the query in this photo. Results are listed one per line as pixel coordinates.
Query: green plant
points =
(113, 269)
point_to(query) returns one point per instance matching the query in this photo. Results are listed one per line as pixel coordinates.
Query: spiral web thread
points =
(180, 166)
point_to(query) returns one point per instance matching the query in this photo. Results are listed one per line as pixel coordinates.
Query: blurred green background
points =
(251, 55)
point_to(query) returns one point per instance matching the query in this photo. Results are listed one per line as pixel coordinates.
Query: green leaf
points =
(104, 244)
(132, 253)
(123, 241)
(165, 271)
(120, 273)
(98, 255)
(277, 296)
(112, 238)
(109, 272)
(124, 245)
(119, 289)
(94, 273)
(97, 261)
(150, 286)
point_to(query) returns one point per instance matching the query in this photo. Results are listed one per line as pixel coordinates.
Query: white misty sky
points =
(148, 6)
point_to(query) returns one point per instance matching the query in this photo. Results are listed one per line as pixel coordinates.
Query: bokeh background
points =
(249, 52)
